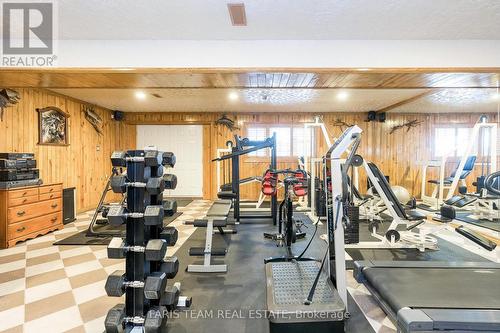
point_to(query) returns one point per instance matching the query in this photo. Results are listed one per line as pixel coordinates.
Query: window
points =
(283, 140)
(302, 141)
(453, 141)
(257, 134)
(291, 141)
(444, 140)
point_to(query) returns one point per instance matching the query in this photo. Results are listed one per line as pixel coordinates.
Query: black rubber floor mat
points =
(234, 301)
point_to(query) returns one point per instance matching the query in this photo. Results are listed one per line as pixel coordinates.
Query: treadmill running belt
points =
(454, 288)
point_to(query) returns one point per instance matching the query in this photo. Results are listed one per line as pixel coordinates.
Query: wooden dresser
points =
(27, 212)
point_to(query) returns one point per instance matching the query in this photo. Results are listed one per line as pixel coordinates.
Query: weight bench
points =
(216, 217)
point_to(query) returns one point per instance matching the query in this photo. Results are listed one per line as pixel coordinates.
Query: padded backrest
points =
(384, 184)
(468, 167)
(300, 189)
(269, 183)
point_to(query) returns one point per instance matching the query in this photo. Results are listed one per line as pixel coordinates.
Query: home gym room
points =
(332, 168)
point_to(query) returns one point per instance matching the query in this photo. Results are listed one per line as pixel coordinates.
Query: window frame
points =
(455, 157)
(268, 126)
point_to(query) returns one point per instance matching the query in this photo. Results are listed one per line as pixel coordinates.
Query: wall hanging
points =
(52, 126)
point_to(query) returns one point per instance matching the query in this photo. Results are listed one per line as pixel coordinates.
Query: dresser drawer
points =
(23, 193)
(48, 196)
(22, 200)
(50, 189)
(21, 229)
(25, 212)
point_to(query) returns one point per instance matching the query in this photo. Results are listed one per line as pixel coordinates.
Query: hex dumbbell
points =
(153, 172)
(164, 158)
(170, 235)
(154, 286)
(170, 266)
(154, 185)
(170, 181)
(169, 207)
(154, 250)
(172, 298)
(154, 320)
(153, 215)
(168, 159)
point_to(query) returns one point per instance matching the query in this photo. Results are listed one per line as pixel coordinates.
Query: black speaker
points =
(118, 115)
(381, 117)
(372, 115)
(69, 205)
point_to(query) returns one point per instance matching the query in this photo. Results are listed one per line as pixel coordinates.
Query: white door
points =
(186, 142)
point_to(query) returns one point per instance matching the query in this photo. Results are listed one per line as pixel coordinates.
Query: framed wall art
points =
(52, 126)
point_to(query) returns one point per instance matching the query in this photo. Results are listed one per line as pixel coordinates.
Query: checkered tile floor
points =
(46, 288)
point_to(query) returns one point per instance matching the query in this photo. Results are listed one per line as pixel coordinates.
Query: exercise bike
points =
(289, 229)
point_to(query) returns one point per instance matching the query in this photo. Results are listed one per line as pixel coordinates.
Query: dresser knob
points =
(21, 213)
(54, 205)
(53, 219)
(51, 190)
(21, 229)
(25, 200)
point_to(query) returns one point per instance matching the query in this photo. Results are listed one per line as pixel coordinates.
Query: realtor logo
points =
(27, 28)
(28, 31)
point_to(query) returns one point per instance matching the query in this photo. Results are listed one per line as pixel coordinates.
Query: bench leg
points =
(207, 267)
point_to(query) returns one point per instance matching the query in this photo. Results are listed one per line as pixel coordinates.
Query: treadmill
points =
(435, 296)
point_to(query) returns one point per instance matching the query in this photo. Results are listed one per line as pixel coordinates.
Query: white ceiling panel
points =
(279, 19)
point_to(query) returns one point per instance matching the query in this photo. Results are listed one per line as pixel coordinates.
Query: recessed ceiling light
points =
(495, 96)
(140, 95)
(363, 69)
(342, 95)
(233, 96)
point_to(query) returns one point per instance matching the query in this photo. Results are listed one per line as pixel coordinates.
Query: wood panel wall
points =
(85, 163)
(399, 155)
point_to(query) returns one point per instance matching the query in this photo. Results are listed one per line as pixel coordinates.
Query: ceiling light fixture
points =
(140, 95)
(278, 96)
(495, 96)
(342, 95)
(233, 96)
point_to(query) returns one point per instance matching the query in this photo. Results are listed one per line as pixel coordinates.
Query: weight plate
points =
(395, 233)
(357, 160)
(374, 225)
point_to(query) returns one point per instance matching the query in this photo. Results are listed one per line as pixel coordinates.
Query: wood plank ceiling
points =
(238, 78)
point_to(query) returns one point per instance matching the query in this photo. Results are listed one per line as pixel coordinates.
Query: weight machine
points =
(307, 290)
(450, 184)
(289, 229)
(243, 146)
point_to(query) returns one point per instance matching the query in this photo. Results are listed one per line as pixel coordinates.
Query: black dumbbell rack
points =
(137, 268)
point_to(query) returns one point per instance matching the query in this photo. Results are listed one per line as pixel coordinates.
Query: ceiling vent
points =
(237, 13)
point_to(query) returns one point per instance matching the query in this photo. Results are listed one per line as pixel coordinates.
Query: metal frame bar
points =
(207, 266)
